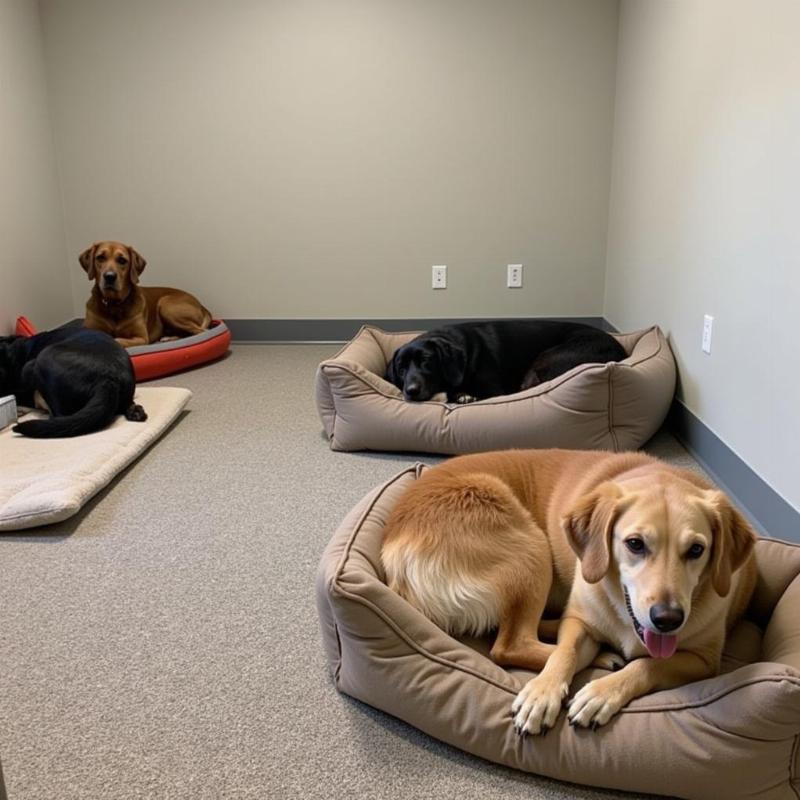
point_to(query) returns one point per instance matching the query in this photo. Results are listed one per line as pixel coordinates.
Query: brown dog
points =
(135, 314)
(490, 541)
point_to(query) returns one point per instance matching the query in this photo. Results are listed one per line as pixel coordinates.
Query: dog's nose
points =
(666, 617)
(412, 389)
(110, 276)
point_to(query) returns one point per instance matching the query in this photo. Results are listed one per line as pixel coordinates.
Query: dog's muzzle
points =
(412, 391)
(659, 645)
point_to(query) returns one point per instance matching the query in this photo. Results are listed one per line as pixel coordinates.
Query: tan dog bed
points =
(614, 406)
(733, 736)
(48, 480)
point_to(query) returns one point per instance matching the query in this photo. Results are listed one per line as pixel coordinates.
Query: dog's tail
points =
(94, 416)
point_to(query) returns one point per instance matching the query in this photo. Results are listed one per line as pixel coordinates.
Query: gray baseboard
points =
(766, 509)
(305, 331)
(342, 330)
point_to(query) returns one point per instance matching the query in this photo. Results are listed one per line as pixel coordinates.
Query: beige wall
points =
(304, 158)
(704, 211)
(308, 158)
(33, 278)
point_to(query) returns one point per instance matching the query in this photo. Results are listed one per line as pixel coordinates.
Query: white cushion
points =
(48, 480)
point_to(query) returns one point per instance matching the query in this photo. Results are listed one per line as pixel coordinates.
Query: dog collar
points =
(111, 303)
(636, 626)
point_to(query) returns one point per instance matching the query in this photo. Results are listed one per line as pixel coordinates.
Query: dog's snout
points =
(412, 390)
(666, 617)
(110, 276)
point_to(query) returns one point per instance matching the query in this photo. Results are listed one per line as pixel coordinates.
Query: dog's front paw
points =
(463, 398)
(597, 702)
(537, 706)
(135, 413)
(609, 660)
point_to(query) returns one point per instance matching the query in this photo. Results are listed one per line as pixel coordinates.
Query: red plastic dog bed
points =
(163, 358)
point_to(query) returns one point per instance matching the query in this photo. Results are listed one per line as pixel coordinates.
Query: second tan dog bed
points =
(614, 406)
(733, 736)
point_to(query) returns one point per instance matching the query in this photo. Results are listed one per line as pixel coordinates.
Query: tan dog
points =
(135, 314)
(490, 541)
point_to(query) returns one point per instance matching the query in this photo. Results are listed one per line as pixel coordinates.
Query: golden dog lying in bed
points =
(665, 568)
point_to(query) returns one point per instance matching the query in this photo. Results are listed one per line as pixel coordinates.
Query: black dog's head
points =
(426, 366)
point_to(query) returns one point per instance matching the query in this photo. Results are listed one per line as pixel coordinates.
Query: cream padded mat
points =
(48, 480)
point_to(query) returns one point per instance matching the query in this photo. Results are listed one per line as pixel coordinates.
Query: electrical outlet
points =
(514, 280)
(708, 325)
(439, 280)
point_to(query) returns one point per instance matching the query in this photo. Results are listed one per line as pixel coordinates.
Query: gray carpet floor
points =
(164, 642)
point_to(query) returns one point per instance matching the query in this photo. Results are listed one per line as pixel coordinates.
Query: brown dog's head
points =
(114, 267)
(661, 537)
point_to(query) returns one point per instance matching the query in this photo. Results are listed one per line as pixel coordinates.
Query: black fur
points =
(84, 376)
(476, 360)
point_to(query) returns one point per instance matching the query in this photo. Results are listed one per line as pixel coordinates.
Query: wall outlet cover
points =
(708, 327)
(514, 276)
(439, 277)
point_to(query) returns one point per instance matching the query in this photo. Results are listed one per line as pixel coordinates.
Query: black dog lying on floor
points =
(475, 360)
(84, 377)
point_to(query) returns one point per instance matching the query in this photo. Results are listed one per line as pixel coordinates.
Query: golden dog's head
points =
(661, 537)
(114, 267)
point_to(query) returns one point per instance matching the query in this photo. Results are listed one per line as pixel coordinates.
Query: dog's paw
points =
(537, 706)
(136, 413)
(597, 702)
(609, 660)
(463, 399)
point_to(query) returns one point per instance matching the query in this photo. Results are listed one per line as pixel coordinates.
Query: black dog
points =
(475, 360)
(84, 377)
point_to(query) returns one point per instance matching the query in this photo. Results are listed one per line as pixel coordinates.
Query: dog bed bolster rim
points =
(160, 359)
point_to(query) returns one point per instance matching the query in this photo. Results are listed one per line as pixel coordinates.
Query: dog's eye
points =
(695, 551)
(121, 260)
(101, 257)
(635, 544)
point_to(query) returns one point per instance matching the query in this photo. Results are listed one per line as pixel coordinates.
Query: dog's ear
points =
(137, 264)
(391, 369)
(452, 361)
(87, 261)
(733, 542)
(589, 526)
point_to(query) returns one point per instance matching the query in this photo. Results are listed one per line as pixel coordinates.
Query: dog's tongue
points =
(660, 645)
